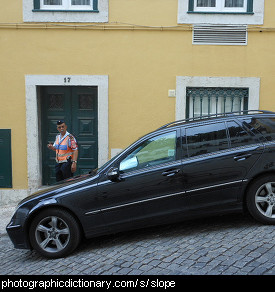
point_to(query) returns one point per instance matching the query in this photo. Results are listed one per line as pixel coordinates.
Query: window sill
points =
(53, 10)
(214, 12)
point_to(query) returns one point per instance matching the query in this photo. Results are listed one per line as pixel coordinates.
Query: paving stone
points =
(224, 245)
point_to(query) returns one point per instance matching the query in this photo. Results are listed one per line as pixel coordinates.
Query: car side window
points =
(265, 126)
(206, 139)
(156, 150)
(238, 136)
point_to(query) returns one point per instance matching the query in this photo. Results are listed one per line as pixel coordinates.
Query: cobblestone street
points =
(226, 245)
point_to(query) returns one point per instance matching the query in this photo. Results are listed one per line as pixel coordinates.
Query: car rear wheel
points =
(54, 233)
(261, 199)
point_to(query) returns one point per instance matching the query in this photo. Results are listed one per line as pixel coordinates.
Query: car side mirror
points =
(113, 174)
(128, 163)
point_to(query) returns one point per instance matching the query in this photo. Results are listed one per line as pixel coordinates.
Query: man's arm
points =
(74, 160)
(74, 147)
(51, 147)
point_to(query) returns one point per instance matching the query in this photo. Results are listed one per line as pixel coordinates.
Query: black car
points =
(185, 169)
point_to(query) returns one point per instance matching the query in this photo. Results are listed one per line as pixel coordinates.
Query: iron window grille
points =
(202, 101)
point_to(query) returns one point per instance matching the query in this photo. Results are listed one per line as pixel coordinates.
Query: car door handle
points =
(242, 157)
(170, 172)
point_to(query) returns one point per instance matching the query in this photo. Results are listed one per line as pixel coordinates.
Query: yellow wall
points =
(142, 66)
(144, 12)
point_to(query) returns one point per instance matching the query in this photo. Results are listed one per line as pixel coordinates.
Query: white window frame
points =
(220, 7)
(66, 5)
(58, 14)
(196, 17)
(252, 83)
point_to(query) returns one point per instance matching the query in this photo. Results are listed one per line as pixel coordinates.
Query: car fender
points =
(48, 203)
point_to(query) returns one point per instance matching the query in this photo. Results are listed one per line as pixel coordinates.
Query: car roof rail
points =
(227, 114)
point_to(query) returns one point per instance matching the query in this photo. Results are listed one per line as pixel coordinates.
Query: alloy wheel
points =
(52, 234)
(265, 199)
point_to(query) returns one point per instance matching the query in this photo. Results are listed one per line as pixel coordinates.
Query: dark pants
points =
(63, 170)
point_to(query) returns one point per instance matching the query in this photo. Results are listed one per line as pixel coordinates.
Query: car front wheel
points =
(261, 199)
(54, 233)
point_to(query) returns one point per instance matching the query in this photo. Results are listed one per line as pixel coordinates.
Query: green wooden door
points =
(5, 159)
(78, 107)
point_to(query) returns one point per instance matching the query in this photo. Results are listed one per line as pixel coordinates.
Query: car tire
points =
(260, 199)
(54, 233)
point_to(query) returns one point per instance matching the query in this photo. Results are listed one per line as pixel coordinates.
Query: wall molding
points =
(253, 83)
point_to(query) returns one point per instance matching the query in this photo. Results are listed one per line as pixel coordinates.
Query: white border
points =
(212, 18)
(71, 16)
(253, 83)
(32, 118)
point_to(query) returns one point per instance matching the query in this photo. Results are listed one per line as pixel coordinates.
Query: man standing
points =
(65, 146)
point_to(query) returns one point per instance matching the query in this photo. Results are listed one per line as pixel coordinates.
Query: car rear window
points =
(266, 126)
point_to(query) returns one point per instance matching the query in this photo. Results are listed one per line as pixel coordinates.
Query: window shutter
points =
(250, 6)
(95, 5)
(191, 5)
(36, 4)
(5, 158)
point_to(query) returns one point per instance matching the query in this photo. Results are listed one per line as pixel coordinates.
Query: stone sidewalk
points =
(224, 245)
(6, 213)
